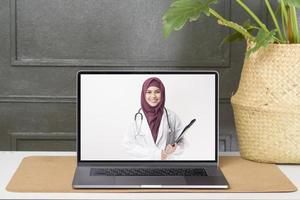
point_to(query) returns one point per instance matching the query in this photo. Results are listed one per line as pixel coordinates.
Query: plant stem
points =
(232, 25)
(289, 26)
(259, 22)
(274, 19)
(284, 19)
(294, 23)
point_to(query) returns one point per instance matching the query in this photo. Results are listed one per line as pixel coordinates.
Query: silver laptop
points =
(148, 130)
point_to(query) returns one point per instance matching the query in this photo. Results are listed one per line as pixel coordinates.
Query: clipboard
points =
(184, 130)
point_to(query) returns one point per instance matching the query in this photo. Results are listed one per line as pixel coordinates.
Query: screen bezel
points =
(147, 162)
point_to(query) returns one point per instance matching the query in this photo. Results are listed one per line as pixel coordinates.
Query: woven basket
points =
(267, 105)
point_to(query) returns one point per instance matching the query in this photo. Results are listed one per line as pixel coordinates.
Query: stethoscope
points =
(140, 115)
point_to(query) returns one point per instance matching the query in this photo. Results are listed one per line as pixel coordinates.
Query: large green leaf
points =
(182, 11)
(263, 39)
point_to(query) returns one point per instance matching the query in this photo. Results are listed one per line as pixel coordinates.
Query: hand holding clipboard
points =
(184, 131)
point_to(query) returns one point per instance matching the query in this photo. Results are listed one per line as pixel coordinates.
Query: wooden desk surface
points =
(10, 161)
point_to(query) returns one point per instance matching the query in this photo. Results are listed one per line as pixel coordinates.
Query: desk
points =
(11, 160)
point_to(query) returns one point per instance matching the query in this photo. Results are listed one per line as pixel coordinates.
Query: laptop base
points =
(215, 179)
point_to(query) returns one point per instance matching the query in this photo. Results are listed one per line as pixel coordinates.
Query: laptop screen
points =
(163, 116)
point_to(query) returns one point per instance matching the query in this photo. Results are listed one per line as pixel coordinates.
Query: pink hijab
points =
(153, 114)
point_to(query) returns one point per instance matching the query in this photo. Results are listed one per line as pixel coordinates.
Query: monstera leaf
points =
(182, 11)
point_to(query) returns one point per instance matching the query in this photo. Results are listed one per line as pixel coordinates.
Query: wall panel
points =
(44, 43)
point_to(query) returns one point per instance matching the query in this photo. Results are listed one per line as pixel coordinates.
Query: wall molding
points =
(21, 62)
(225, 142)
(32, 136)
(224, 62)
(225, 100)
(36, 99)
(56, 99)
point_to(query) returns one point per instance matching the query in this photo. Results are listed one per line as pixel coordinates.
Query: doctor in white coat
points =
(154, 130)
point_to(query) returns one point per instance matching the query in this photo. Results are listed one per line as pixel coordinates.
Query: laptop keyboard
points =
(148, 172)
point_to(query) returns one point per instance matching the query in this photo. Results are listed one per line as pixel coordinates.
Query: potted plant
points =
(267, 103)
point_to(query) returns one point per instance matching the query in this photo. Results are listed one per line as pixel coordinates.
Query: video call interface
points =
(147, 117)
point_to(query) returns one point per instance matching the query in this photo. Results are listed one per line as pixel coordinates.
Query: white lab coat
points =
(139, 143)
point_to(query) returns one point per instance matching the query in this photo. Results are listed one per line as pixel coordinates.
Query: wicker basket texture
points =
(267, 105)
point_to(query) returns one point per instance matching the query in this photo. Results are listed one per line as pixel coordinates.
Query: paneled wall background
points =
(43, 43)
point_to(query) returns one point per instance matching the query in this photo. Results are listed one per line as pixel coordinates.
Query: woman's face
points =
(153, 96)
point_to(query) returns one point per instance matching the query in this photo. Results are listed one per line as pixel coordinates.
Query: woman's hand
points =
(164, 155)
(170, 148)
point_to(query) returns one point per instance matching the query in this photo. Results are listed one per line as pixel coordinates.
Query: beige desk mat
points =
(55, 174)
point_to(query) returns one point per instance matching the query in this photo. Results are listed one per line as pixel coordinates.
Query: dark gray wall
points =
(43, 43)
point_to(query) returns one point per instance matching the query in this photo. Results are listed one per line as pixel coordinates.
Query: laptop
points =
(138, 129)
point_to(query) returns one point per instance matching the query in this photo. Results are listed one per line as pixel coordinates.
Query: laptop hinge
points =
(146, 164)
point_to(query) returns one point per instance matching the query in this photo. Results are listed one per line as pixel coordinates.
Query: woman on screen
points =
(154, 130)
